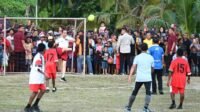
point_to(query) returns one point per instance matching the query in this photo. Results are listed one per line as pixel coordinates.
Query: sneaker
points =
(36, 108)
(27, 109)
(63, 79)
(172, 106)
(47, 90)
(127, 109)
(147, 110)
(91, 74)
(154, 93)
(180, 107)
(54, 89)
(161, 92)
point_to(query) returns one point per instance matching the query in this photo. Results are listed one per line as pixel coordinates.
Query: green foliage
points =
(15, 7)
(116, 13)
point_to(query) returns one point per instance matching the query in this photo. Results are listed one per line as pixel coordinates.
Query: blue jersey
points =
(157, 52)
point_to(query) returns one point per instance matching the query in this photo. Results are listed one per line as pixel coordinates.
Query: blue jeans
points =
(89, 64)
(79, 64)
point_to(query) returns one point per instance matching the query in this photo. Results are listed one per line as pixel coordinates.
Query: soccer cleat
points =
(147, 110)
(161, 92)
(127, 109)
(47, 90)
(154, 93)
(26, 109)
(180, 107)
(63, 79)
(36, 108)
(172, 106)
(54, 89)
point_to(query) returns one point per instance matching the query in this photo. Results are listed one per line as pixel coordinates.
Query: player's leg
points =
(154, 85)
(47, 85)
(182, 96)
(35, 106)
(31, 99)
(174, 91)
(133, 95)
(64, 62)
(148, 95)
(54, 82)
(160, 82)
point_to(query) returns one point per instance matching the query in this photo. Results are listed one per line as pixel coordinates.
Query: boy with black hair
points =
(51, 60)
(143, 65)
(158, 54)
(178, 69)
(37, 80)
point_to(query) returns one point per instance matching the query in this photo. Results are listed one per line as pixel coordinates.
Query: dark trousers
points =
(138, 86)
(124, 62)
(157, 74)
(168, 61)
(20, 62)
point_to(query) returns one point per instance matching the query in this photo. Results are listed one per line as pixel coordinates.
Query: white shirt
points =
(144, 63)
(44, 42)
(124, 43)
(64, 42)
(11, 40)
(35, 76)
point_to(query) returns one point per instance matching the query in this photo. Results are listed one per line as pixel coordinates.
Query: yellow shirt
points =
(148, 42)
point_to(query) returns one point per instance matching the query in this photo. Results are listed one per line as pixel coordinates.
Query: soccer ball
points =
(91, 17)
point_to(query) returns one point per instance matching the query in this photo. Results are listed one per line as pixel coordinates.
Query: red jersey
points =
(180, 69)
(51, 58)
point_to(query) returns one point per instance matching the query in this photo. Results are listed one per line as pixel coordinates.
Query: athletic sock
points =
(147, 101)
(131, 100)
(28, 106)
(181, 104)
(63, 75)
(173, 102)
(36, 102)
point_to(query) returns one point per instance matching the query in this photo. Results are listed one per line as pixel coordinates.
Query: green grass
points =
(91, 94)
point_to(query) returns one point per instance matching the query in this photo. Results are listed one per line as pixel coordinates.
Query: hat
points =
(50, 37)
(41, 34)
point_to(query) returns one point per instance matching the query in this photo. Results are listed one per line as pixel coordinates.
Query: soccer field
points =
(91, 94)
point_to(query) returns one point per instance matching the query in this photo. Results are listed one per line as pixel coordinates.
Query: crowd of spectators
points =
(106, 52)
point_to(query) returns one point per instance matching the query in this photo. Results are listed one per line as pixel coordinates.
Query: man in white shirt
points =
(63, 47)
(143, 65)
(124, 49)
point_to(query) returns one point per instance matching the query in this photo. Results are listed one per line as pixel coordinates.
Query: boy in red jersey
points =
(179, 69)
(51, 59)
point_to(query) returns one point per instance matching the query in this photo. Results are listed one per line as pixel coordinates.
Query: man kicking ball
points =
(143, 65)
(179, 69)
(37, 80)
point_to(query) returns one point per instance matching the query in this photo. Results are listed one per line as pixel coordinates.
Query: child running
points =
(36, 80)
(179, 69)
(51, 59)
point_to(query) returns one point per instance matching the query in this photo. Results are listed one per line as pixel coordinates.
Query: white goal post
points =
(83, 20)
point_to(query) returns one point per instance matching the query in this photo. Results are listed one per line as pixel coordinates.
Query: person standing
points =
(19, 51)
(124, 48)
(158, 54)
(143, 65)
(37, 80)
(171, 46)
(178, 71)
(63, 47)
(148, 40)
